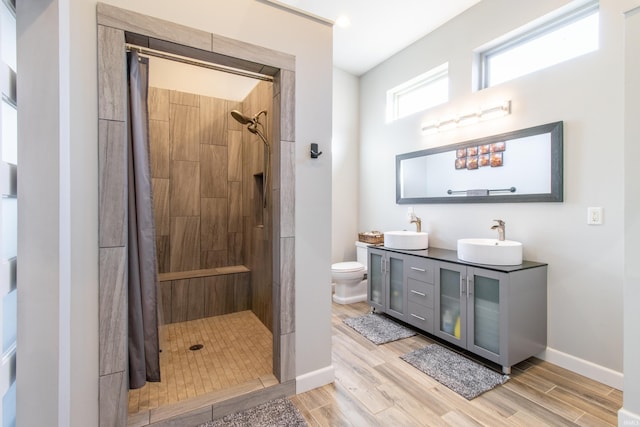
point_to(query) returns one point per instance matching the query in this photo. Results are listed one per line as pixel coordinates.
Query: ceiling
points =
(377, 29)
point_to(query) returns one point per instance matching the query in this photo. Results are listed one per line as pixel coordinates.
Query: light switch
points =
(594, 216)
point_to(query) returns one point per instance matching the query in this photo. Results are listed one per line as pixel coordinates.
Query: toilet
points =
(350, 277)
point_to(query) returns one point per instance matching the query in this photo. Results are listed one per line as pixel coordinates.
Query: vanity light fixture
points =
(483, 113)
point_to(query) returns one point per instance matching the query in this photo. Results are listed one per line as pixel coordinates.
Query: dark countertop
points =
(449, 255)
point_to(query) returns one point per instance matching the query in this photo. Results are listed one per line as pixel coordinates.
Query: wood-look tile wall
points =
(112, 137)
(197, 181)
(258, 218)
(200, 297)
(208, 176)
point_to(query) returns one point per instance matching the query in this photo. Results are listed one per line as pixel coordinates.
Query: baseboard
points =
(315, 379)
(598, 373)
(628, 418)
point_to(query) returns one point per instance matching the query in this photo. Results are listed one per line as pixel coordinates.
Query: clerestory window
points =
(424, 91)
(561, 39)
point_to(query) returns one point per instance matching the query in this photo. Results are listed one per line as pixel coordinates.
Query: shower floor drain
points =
(196, 347)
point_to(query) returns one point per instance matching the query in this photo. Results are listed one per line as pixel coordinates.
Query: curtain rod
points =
(216, 67)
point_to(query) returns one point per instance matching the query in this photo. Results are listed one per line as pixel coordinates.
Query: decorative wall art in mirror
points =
(519, 166)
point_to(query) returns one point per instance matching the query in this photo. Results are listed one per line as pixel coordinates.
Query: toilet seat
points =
(347, 267)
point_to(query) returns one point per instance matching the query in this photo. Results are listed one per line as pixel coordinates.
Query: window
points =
(559, 40)
(8, 213)
(422, 92)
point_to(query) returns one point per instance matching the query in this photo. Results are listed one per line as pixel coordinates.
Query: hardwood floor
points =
(374, 387)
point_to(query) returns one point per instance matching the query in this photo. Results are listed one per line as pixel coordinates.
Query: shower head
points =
(240, 118)
(244, 120)
(252, 126)
(252, 123)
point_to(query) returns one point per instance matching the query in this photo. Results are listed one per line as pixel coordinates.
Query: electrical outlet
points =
(594, 216)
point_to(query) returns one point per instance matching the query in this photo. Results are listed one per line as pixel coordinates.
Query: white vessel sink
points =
(490, 251)
(410, 240)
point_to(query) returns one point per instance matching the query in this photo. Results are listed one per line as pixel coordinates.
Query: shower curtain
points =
(144, 356)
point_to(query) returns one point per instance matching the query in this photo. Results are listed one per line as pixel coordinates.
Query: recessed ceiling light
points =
(343, 21)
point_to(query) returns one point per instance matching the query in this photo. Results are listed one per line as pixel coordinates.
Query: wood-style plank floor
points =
(374, 387)
(237, 348)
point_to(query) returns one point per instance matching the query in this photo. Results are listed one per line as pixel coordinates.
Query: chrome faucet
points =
(500, 227)
(413, 219)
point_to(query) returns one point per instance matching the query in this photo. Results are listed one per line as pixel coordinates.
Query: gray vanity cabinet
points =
(451, 310)
(402, 286)
(500, 316)
(420, 292)
(386, 279)
(496, 312)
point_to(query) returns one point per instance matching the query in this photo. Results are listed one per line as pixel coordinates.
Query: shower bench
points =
(196, 294)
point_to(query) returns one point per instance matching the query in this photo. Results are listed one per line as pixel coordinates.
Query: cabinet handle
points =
(462, 279)
(469, 287)
(419, 269)
(418, 293)
(418, 317)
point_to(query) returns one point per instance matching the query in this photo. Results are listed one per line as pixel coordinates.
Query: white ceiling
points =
(378, 28)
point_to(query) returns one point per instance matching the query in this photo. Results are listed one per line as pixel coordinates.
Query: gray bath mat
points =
(464, 376)
(279, 412)
(378, 329)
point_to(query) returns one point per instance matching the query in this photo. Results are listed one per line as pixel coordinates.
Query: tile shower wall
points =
(257, 222)
(196, 169)
(199, 297)
(208, 173)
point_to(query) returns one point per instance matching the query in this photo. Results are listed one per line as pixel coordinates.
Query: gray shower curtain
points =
(144, 357)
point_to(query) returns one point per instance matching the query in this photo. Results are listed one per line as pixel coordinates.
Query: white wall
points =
(630, 414)
(345, 166)
(585, 262)
(41, 327)
(44, 331)
(200, 80)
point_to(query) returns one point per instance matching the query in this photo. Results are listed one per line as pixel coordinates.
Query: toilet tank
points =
(361, 252)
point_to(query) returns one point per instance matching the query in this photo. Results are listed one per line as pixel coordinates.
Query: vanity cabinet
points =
(496, 312)
(386, 290)
(500, 316)
(470, 306)
(402, 286)
(420, 292)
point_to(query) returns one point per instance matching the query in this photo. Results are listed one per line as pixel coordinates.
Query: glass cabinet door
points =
(486, 310)
(451, 315)
(396, 285)
(376, 279)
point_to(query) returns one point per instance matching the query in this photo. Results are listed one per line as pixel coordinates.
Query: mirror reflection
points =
(519, 166)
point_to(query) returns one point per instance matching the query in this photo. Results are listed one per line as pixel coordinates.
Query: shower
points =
(252, 126)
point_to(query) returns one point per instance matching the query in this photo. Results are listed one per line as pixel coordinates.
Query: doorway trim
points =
(112, 24)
